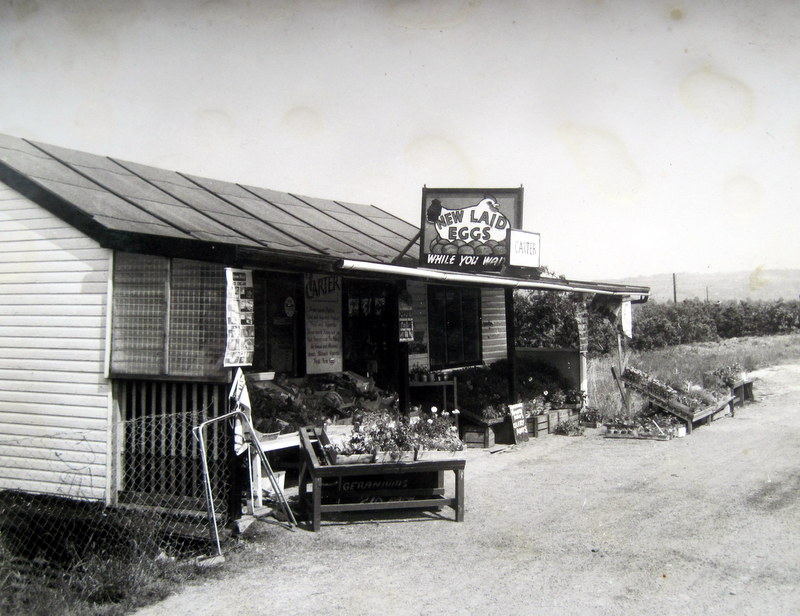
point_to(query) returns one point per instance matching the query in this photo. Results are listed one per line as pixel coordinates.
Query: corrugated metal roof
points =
(113, 200)
(127, 205)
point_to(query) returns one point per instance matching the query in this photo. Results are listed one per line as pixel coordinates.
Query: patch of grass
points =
(96, 586)
(687, 363)
(62, 557)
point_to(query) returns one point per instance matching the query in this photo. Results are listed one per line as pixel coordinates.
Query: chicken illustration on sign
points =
(465, 235)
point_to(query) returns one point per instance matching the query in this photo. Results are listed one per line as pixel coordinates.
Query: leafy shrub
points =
(483, 387)
(543, 319)
(658, 325)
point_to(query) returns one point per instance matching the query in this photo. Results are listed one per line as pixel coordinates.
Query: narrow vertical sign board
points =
(323, 295)
(582, 319)
(240, 342)
(517, 414)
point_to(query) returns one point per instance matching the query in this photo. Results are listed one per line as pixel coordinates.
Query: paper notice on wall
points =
(323, 299)
(239, 318)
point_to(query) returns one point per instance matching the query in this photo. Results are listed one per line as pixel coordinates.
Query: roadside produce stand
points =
(371, 486)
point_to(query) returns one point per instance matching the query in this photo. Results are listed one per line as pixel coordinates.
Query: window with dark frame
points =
(168, 317)
(454, 326)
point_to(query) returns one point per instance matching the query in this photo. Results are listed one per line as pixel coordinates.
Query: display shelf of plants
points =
(735, 379)
(390, 437)
(685, 401)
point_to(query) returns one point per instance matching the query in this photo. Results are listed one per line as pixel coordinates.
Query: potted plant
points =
(575, 398)
(590, 418)
(556, 399)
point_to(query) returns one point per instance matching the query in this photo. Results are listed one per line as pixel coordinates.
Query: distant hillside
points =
(754, 285)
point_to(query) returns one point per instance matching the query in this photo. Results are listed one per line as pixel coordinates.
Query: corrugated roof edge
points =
(231, 254)
(497, 280)
(130, 241)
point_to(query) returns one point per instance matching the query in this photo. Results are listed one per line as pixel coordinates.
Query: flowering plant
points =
(387, 431)
(493, 411)
(575, 396)
(436, 430)
(534, 406)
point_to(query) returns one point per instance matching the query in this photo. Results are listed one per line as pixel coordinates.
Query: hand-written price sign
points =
(518, 422)
(323, 295)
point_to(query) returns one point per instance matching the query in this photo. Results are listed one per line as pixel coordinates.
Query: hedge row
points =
(547, 320)
(666, 324)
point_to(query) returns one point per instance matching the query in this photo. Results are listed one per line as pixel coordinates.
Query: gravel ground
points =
(707, 524)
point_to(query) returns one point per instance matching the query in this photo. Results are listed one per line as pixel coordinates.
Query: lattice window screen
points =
(145, 289)
(139, 311)
(197, 319)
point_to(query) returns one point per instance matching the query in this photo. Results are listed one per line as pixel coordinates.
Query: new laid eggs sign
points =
(466, 229)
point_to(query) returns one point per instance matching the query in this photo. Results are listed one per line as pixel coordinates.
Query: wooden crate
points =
(478, 436)
(537, 425)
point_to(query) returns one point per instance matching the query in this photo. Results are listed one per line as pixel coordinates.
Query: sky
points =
(649, 137)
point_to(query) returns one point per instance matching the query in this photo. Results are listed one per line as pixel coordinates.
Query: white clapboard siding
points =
(54, 399)
(493, 318)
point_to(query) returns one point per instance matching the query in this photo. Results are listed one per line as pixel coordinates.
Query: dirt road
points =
(708, 524)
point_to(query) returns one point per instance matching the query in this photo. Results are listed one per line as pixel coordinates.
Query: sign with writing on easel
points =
(517, 413)
(323, 295)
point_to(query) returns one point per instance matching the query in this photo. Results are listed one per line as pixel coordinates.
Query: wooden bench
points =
(316, 470)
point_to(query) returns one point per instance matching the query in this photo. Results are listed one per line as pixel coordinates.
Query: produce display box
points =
(478, 436)
(537, 425)
(478, 432)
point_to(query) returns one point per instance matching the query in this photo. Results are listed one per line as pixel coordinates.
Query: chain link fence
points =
(161, 508)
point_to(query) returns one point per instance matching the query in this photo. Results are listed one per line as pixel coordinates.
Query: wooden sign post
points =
(518, 422)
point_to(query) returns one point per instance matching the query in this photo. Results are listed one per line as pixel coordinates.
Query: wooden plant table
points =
(681, 411)
(743, 390)
(318, 471)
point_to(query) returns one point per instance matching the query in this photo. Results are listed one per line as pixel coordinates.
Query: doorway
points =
(371, 344)
(278, 310)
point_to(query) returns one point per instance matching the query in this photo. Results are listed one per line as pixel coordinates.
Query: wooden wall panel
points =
(54, 400)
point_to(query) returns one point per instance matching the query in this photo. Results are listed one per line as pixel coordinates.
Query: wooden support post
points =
(621, 390)
(511, 345)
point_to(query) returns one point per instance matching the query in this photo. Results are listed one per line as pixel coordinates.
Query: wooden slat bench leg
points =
(316, 495)
(460, 495)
